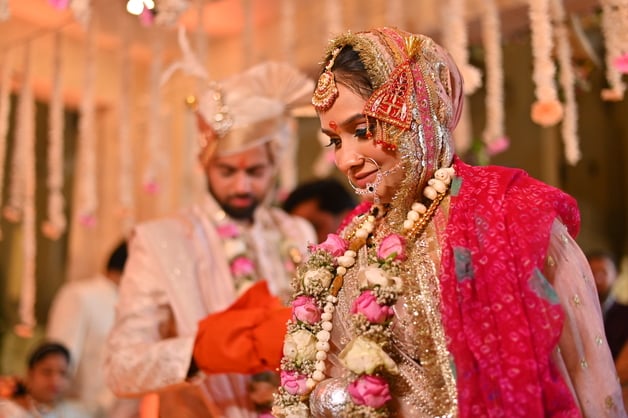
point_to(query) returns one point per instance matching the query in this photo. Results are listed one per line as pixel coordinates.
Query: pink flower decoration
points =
(369, 390)
(334, 245)
(151, 187)
(88, 220)
(392, 245)
(59, 4)
(367, 305)
(242, 266)
(293, 382)
(147, 17)
(621, 63)
(497, 145)
(227, 231)
(304, 309)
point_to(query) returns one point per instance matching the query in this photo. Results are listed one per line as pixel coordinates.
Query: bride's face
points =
(356, 153)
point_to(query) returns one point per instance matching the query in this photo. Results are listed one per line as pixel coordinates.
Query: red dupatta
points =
(501, 316)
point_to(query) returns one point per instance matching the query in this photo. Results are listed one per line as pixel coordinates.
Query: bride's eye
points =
(364, 132)
(361, 133)
(334, 141)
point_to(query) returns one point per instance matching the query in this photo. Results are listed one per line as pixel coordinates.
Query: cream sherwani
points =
(176, 275)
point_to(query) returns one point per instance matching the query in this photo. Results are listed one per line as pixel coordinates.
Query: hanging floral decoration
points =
(5, 104)
(614, 24)
(5, 12)
(494, 138)
(25, 134)
(154, 136)
(88, 197)
(547, 109)
(455, 40)
(288, 9)
(55, 223)
(569, 126)
(125, 154)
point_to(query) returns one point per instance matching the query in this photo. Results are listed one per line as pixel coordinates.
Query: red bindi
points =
(241, 164)
(333, 125)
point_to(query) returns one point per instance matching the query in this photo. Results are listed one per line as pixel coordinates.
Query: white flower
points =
(299, 410)
(300, 345)
(319, 276)
(373, 275)
(362, 355)
(234, 247)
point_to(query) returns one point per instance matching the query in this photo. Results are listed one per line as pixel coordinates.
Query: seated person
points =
(41, 393)
(324, 203)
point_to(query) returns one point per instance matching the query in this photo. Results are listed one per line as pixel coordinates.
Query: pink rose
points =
(370, 391)
(294, 383)
(621, 63)
(147, 17)
(497, 145)
(304, 309)
(367, 305)
(227, 231)
(334, 245)
(59, 4)
(242, 266)
(392, 244)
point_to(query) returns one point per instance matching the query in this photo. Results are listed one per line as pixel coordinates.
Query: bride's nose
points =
(347, 158)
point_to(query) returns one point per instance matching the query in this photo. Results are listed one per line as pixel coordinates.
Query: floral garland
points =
(317, 284)
(240, 261)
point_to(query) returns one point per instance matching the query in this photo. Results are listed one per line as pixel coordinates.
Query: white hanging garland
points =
(394, 13)
(88, 199)
(125, 152)
(614, 24)
(13, 208)
(546, 110)
(334, 17)
(287, 29)
(55, 224)
(25, 133)
(455, 40)
(5, 12)
(569, 127)
(155, 164)
(5, 104)
(493, 135)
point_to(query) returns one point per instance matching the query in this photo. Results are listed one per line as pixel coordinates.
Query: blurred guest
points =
(615, 312)
(324, 203)
(605, 274)
(81, 317)
(41, 393)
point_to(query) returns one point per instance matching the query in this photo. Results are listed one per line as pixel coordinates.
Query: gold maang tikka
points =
(326, 91)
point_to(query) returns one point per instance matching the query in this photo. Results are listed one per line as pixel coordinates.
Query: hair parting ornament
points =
(326, 91)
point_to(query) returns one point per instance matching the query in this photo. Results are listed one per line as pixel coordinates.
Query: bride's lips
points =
(362, 179)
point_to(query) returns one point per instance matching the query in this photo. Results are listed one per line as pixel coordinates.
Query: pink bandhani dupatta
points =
(501, 316)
